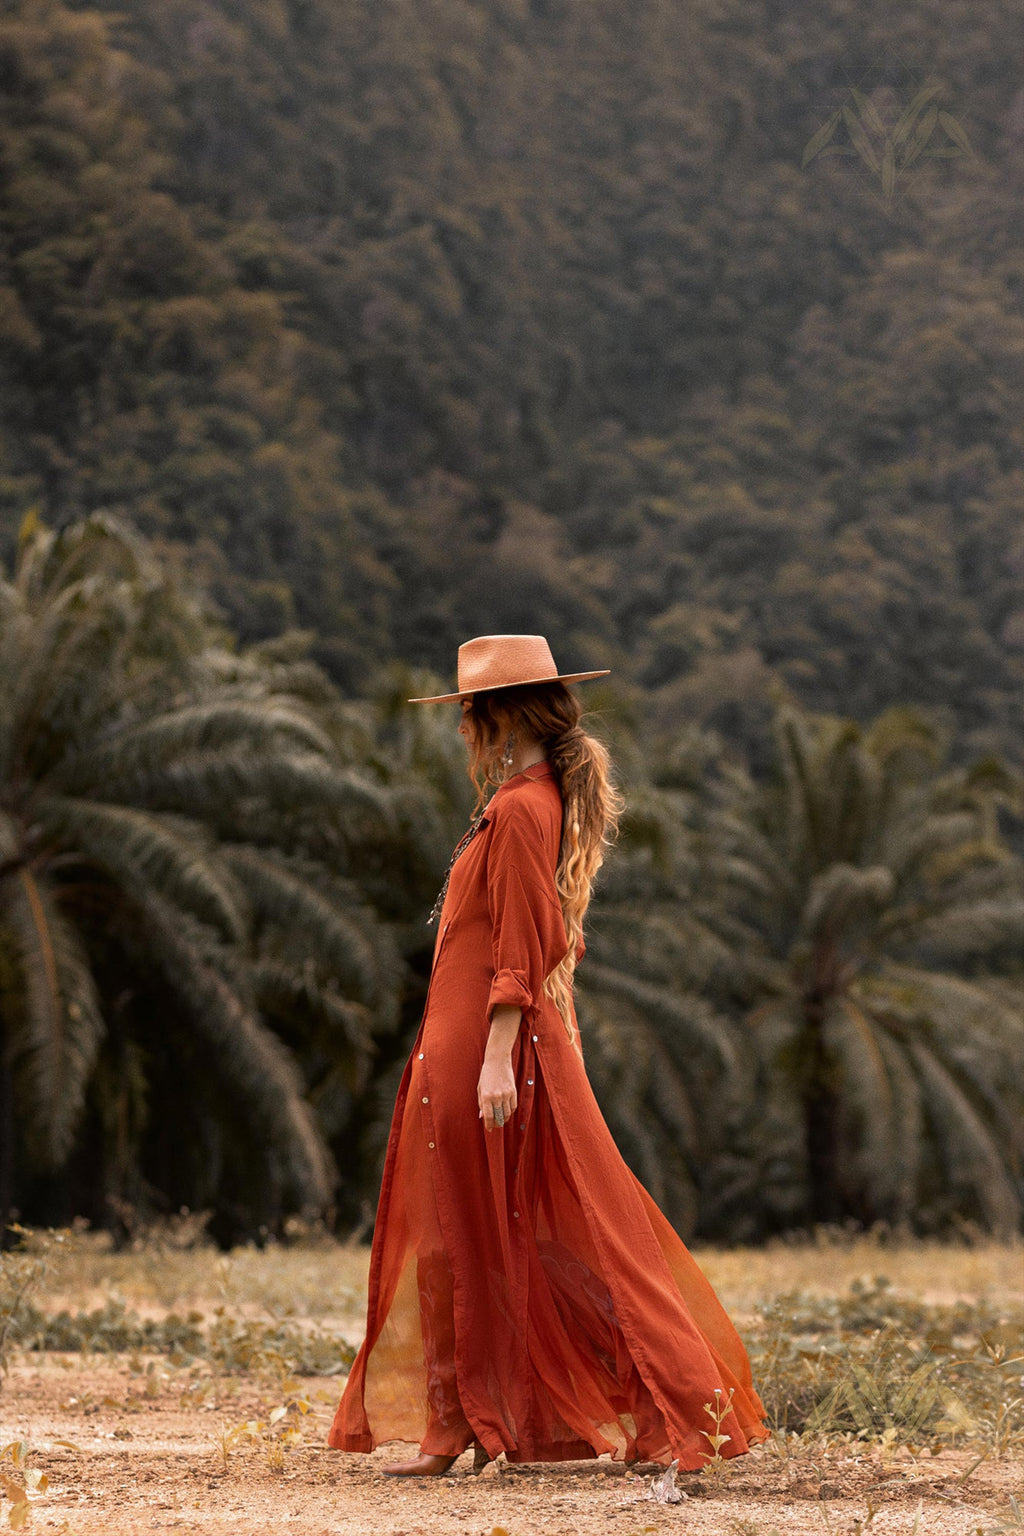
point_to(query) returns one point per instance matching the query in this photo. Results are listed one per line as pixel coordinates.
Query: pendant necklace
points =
(460, 848)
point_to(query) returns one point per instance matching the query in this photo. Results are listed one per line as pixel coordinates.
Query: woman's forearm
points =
(496, 1087)
(505, 1021)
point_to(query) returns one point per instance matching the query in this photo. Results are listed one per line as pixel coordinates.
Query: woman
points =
(526, 1295)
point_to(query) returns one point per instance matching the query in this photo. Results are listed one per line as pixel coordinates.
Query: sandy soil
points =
(158, 1449)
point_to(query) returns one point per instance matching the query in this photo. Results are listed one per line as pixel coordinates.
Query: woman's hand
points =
(496, 1088)
(496, 1092)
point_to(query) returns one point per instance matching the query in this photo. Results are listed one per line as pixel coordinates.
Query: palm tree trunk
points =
(821, 1111)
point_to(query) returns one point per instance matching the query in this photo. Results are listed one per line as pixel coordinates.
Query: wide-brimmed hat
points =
(506, 661)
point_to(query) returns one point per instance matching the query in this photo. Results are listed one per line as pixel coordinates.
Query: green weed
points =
(232, 1345)
(22, 1271)
(715, 1463)
(278, 1433)
(890, 1369)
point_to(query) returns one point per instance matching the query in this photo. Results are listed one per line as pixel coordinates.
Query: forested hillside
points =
(418, 321)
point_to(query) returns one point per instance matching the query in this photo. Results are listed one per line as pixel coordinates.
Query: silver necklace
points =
(462, 844)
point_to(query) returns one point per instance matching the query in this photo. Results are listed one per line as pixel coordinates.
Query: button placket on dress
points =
(427, 1111)
(524, 1109)
(421, 1076)
(422, 1090)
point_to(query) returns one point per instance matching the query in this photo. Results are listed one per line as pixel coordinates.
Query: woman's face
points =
(467, 725)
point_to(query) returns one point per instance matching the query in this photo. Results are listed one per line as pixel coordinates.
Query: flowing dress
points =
(524, 1289)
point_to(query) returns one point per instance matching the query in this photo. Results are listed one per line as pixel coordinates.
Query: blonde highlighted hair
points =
(592, 805)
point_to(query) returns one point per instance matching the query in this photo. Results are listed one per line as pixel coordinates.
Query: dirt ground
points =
(137, 1446)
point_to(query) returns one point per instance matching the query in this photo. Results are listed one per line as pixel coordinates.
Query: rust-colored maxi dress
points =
(524, 1288)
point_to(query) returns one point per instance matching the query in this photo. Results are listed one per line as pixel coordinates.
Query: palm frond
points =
(139, 851)
(620, 1065)
(280, 989)
(904, 744)
(840, 895)
(973, 1158)
(656, 821)
(818, 768)
(139, 748)
(739, 836)
(914, 838)
(987, 1010)
(869, 1091)
(947, 867)
(692, 1018)
(331, 937)
(967, 929)
(671, 946)
(57, 658)
(211, 786)
(253, 1061)
(56, 1025)
(910, 1144)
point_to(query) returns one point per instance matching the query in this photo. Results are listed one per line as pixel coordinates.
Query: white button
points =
(425, 1099)
(421, 1055)
(535, 1037)
(430, 1144)
(529, 1082)
(515, 1213)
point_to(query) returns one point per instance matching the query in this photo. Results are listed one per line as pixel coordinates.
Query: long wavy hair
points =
(591, 804)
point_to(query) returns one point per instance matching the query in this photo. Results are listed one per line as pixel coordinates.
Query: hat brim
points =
(524, 682)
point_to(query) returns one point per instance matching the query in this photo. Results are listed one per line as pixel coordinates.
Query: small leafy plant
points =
(714, 1464)
(19, 1482)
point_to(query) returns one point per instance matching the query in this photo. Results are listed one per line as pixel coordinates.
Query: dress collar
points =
(535, 772)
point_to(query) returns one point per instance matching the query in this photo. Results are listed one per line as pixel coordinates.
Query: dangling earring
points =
(506, 756)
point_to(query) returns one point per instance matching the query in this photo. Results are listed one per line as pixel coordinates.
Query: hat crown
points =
(503, 661)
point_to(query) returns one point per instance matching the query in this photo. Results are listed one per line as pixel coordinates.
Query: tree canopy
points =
(413, 322)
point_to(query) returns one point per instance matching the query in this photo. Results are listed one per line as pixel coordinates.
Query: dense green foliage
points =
(176, 976)
(801, 998)
(863, 897)
(419, 321)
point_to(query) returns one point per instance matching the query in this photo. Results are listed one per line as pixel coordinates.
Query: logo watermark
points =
(890, 140)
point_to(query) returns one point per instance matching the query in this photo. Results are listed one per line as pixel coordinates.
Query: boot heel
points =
(480, 1458)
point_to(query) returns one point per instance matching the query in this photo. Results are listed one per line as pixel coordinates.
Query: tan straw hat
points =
(506, 661)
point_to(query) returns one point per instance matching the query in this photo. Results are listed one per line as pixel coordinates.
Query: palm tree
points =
(669, 1066)
(176, 946)
(873, 916)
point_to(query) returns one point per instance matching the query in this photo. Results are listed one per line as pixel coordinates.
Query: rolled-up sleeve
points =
(527, 930)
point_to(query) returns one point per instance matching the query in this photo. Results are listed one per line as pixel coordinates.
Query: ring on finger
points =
(499, 1115)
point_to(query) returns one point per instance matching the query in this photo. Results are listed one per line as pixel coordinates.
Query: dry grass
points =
(325, 1279)
(321, 1281)
(985, 1272)
(836, 1326)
